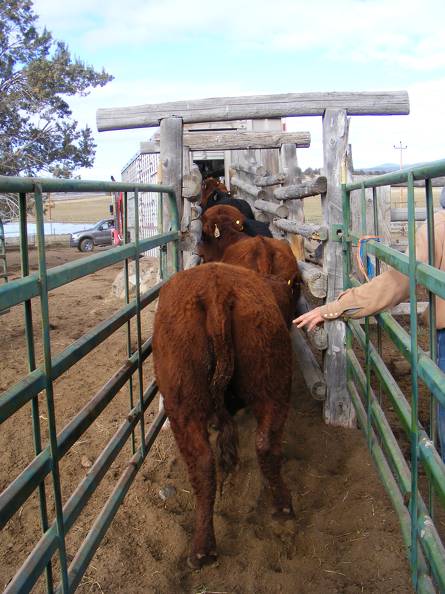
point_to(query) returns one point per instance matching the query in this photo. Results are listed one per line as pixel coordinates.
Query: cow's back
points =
(184, 354)
(264, 255)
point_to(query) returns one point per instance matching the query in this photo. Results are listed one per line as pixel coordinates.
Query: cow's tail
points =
(219, 328)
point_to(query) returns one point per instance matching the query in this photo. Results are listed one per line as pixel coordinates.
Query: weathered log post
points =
(288, 155)
(338, 408)
(186, 205)
(191, 226)
(171, 155)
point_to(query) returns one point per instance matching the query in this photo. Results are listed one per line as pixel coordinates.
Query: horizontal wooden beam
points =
(270, 180)
(279, 210)
(248, 188)
(309, 230)
(312, 188)
(220, 109)
(250, 168)
(234, 141)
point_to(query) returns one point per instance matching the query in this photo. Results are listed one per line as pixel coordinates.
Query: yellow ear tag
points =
(217, 232)
(289, 283)
(237, 222)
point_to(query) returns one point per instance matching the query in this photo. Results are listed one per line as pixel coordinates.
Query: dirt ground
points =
(345, 538)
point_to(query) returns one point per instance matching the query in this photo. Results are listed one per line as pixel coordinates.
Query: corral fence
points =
(374, 390)
(276, 190)
(40, 379)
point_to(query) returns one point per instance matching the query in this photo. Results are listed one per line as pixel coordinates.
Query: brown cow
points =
(221, 226)
(223, 240)
(219, 335)
(214, 192)
(208, 187)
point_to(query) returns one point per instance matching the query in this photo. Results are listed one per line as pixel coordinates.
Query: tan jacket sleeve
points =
(390, 288)
(382, 292)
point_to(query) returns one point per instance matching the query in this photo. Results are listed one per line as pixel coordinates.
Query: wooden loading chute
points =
(250, 163)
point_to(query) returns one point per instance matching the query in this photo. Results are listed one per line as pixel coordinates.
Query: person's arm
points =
(382, 292)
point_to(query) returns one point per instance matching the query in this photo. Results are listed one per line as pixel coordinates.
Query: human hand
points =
(310, 318)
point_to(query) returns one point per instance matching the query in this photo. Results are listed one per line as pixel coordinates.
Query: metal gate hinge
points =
(336, 232)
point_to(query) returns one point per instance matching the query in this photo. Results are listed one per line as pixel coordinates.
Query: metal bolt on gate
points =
(40, 379)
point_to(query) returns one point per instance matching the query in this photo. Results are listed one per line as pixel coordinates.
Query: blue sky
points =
(171, 50)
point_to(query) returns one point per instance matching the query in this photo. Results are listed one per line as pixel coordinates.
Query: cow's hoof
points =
(199, 560)
(283, 513)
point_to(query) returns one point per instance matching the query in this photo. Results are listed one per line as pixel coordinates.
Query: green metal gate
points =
(372, 387)
(41, 379)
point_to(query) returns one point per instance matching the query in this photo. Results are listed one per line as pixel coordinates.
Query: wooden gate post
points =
(171, 155)
(338, 408)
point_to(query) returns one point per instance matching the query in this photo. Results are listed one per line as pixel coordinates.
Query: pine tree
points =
(38, 135)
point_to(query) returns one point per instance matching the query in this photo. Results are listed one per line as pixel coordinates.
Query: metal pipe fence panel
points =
(46, 461)
(401, 435)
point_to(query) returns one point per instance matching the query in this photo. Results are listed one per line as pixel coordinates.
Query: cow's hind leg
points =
(271, 417)
(193, 442)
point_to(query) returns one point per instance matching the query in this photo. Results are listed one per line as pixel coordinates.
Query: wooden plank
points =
(236, 140)
(252, 168)
(301, 190)
(338, 408)
(248, 188)
(211, 126)
(253, 107)
(171, 158)
(279, 210)
(309, 230)
(270, 180)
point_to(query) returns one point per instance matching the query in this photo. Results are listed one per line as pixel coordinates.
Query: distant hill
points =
(384, 168)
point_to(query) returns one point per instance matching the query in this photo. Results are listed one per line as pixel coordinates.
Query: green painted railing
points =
(41, 379)
(400, 474)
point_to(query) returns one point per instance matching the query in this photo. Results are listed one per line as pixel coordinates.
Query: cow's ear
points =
(217, 232)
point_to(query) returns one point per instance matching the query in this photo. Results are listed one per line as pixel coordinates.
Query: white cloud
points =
(392, 32)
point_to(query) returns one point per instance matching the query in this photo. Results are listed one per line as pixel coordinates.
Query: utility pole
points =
(401, 148)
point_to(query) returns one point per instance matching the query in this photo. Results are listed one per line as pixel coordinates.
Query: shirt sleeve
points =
(386, 290)
(382, 292)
